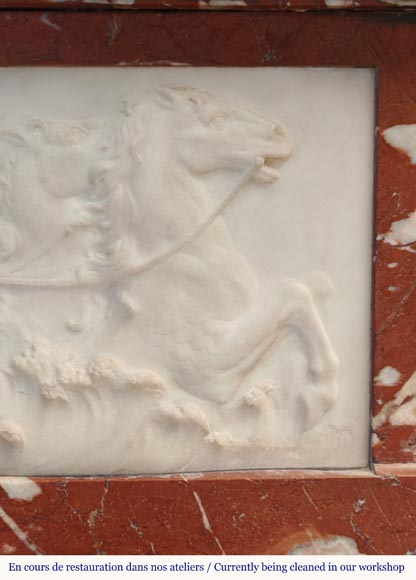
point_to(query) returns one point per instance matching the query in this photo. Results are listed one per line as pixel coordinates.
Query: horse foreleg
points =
(320, 392)
(256, 333)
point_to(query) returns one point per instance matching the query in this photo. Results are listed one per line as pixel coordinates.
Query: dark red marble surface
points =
(249, 513)
(253, 513)
(217, 5)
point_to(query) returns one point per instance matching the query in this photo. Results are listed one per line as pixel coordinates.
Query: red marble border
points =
(251, 514)
(214, 5)
(261, 512)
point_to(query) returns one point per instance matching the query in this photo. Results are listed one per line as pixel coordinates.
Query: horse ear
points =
(13, 138)
(130, 108)
(165, 97)
(37, 128)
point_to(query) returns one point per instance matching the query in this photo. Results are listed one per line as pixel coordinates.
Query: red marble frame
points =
(223, 5)
(261, 512)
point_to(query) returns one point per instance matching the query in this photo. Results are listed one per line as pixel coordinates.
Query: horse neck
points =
(172, 202)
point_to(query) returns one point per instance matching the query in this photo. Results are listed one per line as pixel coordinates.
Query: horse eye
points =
(218, 120)
(74, 134)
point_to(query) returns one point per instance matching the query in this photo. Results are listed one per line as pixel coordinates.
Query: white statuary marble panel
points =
(185, 260)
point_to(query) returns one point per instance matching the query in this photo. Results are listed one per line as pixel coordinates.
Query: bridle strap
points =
(228, 199)
(153, 262)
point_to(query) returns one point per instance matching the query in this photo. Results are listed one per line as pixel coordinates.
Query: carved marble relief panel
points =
(185, 269)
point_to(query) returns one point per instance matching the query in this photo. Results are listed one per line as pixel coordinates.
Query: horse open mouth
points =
(268, 171)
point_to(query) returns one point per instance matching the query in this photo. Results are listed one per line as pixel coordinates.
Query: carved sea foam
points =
(130, 322)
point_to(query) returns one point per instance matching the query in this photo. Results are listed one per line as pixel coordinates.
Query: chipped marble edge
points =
(20, 488)
(279, 474)
(248, 475)
(395, 469)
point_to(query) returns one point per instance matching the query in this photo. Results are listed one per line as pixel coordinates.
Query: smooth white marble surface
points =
(185, 264)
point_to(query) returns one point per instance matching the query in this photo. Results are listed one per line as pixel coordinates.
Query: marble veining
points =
(402, 137)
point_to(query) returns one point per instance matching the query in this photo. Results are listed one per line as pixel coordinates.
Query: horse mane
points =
(9, 233)
(113, 202)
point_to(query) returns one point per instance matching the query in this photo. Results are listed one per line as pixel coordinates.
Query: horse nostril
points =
(278, 131)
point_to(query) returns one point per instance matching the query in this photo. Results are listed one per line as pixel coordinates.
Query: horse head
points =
(44, 173)
(213, 136)
(56, 182)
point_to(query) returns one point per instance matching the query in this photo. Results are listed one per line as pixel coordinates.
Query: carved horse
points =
(131, 219)
(221, 328)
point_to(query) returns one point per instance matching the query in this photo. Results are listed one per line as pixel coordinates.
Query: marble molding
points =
(143, 312)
